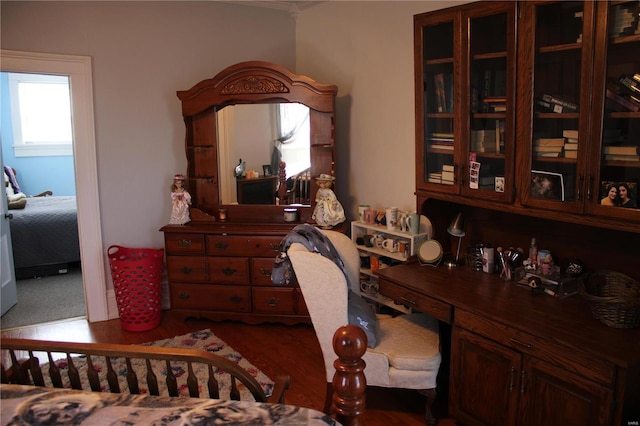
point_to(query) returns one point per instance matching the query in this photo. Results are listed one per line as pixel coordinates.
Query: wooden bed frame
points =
(24, 367)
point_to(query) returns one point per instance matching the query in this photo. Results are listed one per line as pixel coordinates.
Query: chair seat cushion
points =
(410, 342)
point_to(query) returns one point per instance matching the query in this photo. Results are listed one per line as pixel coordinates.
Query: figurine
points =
(240, 168)
(180, 202)
(328, 211)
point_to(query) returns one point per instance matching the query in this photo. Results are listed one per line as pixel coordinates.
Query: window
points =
(40, 115)
(293, 124)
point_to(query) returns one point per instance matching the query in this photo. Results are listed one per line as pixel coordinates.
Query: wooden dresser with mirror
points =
(221, 269)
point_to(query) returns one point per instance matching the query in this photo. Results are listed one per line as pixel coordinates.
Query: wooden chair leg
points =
(328, 399)
(431, 396)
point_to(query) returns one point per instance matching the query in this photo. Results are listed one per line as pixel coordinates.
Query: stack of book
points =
(484, 141)
(441, 141)
(623, 93)
(495, 104)
(621, 153)
(548, 147)
(624, 19)
(445, 177)
(556, 103)
(443, 83)
(571, 143)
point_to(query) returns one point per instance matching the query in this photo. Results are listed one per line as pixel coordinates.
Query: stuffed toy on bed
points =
(15, 198)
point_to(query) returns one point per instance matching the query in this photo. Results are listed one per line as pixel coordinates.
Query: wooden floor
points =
(274, 348)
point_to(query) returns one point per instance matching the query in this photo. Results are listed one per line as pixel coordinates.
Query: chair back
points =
(324, 287)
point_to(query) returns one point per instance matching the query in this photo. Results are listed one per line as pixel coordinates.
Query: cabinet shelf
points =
(440, 115)
(555, 115)
(625, 39)
(491, 55)
(438, 61)
(560, 48)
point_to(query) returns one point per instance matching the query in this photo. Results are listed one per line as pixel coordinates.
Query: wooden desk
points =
(522, 359)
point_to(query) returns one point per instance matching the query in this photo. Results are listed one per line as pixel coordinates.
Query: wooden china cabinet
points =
(221, 269)
(526, 144)
(534, 132)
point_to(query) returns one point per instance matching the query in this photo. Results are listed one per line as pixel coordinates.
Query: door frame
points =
(78, 68)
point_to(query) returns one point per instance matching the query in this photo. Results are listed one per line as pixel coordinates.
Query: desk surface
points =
(36, 405)
(565, 321)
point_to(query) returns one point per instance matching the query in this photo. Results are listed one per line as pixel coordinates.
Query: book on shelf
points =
(571, 154)
(627, 81)
(548, 154)
(566, 103)
(620, 100)
(572, 140)
(441, 98)
(441, 146)
(621, 157)
(549, 142)
(569, 146)
(622, 150)
(570, 134)
(550, 148)
(448, 168)
(447, 175)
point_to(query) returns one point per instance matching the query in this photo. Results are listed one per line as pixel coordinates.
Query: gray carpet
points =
(47, 299)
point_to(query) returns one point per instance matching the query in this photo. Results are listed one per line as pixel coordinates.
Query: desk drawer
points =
(186, 269)
(414, 300)
(261, 270)
(571, 360)
(228, 270)
(234, 245)
(224, 298)
(184, 243)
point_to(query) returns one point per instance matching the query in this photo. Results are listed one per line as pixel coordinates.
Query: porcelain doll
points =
(328, 211)
(180, 202)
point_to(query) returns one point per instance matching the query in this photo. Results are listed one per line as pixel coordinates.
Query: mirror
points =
(260, 136)
(220, 110)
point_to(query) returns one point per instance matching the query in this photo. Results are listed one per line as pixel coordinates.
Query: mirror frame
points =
(250, 83)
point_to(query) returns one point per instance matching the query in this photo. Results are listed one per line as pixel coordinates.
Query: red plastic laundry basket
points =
(137, 280)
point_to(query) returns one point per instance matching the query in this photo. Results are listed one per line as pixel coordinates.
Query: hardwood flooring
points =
(274, 348)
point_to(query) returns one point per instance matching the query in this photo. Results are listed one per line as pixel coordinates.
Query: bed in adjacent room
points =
(44, 236)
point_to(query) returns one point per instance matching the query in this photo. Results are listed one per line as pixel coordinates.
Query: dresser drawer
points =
(187, 269)
(234, 245)
(228, 270)
(184, 243)
(414, 300)
(261, 270)
(211, 297)
(571, 360)
(278, 301)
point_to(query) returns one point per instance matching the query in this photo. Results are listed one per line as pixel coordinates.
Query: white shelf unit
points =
(359, 230)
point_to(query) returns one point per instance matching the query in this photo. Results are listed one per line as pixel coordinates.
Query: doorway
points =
(78, 68)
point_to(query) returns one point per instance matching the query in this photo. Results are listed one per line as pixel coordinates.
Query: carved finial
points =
(349, 382)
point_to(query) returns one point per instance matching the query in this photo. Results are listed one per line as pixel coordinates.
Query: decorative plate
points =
(430, 251)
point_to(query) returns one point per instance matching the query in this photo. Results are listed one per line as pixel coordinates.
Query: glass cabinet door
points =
(488, 101)
(555, 54)
(437, 47)
(616, 114)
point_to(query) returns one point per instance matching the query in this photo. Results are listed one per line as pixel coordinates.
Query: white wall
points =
(142, 53)
(366, 49)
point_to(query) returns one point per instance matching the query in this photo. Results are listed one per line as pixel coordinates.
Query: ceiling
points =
(293, 7)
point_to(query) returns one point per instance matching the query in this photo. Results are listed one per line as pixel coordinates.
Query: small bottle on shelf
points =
(533, 252)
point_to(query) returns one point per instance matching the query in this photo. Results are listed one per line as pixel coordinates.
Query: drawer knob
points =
(184, 243)
(273, 301)
(265, 271)
(222, 245)
(186, 270)
(236, 299)
(229, 271)
(184, 296)
(518, 342)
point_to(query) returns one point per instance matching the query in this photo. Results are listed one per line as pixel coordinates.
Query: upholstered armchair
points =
(407, 352)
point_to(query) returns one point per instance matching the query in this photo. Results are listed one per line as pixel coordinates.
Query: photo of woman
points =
(624, 193)
(611, 198)
(619, 194)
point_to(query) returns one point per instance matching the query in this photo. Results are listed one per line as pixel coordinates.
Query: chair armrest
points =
(281, 383)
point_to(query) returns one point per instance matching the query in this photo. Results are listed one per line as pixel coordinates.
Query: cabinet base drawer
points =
(278, 301)
(211, 297)
(411, 299)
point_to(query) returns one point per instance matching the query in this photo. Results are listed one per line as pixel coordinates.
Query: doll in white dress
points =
(180, 202)
(328, 212)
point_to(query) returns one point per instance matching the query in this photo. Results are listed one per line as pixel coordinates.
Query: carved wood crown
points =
(254, 85)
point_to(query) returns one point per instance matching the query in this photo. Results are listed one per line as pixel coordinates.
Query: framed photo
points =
(619, 194)
(547, 185)
(266, 169)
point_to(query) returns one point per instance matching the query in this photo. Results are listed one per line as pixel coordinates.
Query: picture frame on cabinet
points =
(631, 198)
(266, 170)
(547, 185)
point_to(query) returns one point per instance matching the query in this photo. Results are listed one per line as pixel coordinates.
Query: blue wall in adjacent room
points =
(35, 174)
